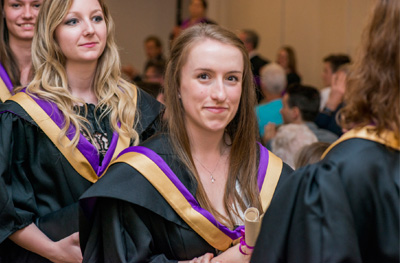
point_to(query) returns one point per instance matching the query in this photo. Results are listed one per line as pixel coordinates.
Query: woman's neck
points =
(80, 81)
(22, 53)
(206, 143)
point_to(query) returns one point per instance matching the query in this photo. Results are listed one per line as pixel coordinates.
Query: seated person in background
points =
(327, 118)
(273, 83)
(198, 14)
(301, 106)
(310, 154)
(330, 67)
(153, 80)
(154, 53)
(289, 140)
(181, 196)
(250, 40)
(345, 208)
(287, 59)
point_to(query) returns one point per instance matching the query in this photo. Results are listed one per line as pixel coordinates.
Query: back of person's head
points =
(310, 154)
(372, 91)
(251, 37)
(289, 139)
(306, 98)
(336, 60)
(273, 78)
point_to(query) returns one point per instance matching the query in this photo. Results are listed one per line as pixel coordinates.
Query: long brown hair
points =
(372, 94)
(7, 57)
(242, 130)
(115, 95)
(292, 63)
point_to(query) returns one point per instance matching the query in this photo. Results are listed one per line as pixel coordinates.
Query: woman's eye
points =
(37, 6)
(98, 18)
(233, 78)
(71, 22)
(203, 76)
(15, 5)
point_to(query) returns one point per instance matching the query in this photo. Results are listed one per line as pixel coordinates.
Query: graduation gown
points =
(343, 209)
(149, 213)
(40, 180)
(6, 87)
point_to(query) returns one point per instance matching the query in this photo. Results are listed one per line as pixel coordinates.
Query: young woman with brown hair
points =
(192, 184)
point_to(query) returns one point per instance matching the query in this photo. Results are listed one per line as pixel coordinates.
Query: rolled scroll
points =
(252, 225)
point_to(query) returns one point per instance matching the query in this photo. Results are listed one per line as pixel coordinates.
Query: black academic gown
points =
(125, 219)
(39, 184)
(343, 209)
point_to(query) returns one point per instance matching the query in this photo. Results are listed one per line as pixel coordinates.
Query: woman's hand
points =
(270, 131)
(234, 255)
(203, 259)
(64, 251)
(67, 250)
(338, 88)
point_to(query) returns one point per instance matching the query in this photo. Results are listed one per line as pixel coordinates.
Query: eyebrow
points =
(76, 13)
(35, 1)
(232, 71)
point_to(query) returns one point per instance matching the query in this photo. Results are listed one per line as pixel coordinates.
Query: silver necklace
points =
(215, 168)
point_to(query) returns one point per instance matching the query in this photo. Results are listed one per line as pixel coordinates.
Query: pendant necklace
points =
(215, 168)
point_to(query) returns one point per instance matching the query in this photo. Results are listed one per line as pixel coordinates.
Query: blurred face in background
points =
(152, 50)
(283, 59)
(286, 111)
(327, 74)
(196, 9)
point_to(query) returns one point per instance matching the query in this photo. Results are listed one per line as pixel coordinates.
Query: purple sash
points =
(233, 234)
(6, 79)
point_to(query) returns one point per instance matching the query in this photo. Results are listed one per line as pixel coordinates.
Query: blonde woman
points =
(60, 134)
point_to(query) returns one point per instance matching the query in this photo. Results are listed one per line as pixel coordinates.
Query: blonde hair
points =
(242, 130)
(115, 96)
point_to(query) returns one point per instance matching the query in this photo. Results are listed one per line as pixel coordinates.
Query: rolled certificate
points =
(252, 224)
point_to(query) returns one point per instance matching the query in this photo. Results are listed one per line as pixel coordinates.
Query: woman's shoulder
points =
(11, 109)
(146, 102)
(357, 152)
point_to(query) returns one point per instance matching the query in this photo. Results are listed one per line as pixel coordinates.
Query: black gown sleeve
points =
(121, 233)
(308, 222)
(150, 113)
(17, 202)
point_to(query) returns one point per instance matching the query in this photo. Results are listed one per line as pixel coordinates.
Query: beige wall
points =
(314, 28)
